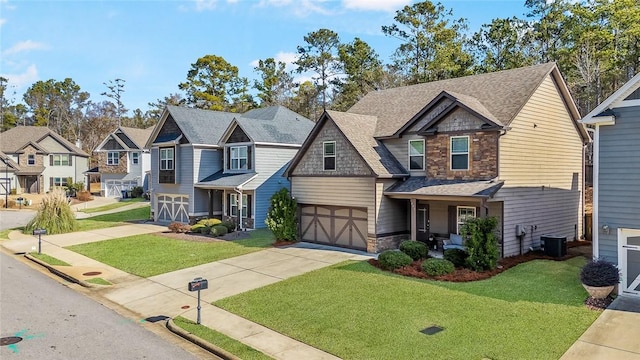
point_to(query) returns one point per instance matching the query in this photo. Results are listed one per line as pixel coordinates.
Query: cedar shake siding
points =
(348, 160)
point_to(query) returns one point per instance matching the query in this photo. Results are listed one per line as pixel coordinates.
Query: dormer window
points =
(239, 158)
(416, 154)
(459, 153)
(31, 159)
(329, 155)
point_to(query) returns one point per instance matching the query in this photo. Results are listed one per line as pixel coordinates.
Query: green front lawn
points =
(115, 219)
(49, 259)
(355, 311)
(220, 340)
(149, 255)
(115, 205)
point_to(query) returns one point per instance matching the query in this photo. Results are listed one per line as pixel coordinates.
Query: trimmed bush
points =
(84, 196)
(230, 225)
(196, 227)
(55, 215)
(282, 218)
(205, 230)
(599, 273)
(209, 222)
(437, 267)
(456, 256)
(219, 230)
(481, 243)
(136, 191)
(178, 227)
(391, 259)
(415, 249)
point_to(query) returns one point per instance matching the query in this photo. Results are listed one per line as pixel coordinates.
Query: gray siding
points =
(618, 179)
(184, 175)
(270, 164)
(391, 214)
(206, 162)
(400, 150)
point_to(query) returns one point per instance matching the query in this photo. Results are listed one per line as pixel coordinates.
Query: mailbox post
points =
(196, 285)
(39, 232)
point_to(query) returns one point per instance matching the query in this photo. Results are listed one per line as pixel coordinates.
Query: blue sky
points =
(152, 44)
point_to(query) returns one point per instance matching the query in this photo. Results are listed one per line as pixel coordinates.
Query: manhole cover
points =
(431, 330)
(92, 273)
(185, 307)
(9, 340)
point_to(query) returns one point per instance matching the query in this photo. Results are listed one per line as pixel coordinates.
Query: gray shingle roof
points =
(501, 93)
(420, 185)
(222, 180)
(359, 130)
(138, 136)
(201, 126)
(16, 138)
(275, 124)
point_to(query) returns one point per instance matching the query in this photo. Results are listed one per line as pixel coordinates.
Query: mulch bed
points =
(282, 243)
(466, 275)
(237, 235)
(598, 304)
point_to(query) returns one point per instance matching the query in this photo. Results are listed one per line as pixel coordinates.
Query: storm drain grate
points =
(431, 330)
(154, 319)
(10, 340)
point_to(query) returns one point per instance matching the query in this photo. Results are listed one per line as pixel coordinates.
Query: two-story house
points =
(616, 181)
(417, 161)
(224, 165)
(41, 159)
(123, 162)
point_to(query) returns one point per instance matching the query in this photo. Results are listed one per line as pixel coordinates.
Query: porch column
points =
(414, 216)
(210, 203)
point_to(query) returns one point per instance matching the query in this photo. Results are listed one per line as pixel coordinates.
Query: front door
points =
(629, 261)
(422, 222)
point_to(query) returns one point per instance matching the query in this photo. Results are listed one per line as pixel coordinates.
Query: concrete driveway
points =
(10, 219)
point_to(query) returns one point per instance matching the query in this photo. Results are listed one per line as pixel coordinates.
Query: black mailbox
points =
(39, 231)
(198, 284)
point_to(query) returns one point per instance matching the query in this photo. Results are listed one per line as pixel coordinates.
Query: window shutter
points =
(228, 205)
(70, 160)
(249, 162)
(50, 182)
(478, 213)
(453, 220)
(248, 206)
(228, 155)
(51, 161)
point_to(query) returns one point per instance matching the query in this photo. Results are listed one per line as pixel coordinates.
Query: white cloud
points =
(205, 5)
(285, 57)
(375, 5)
(299, 8)
(28, 77)
(24, 46)
(3, 21)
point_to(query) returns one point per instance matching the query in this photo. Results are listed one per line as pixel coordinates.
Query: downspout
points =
(238, 190)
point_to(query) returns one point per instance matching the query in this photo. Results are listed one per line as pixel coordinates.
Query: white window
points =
(135, 158)
(234, 205)
(59, 181)
(60, 159)
(113, 158)
(460, 153)
(239, 158)
(31, 159)
(166, 159)
(416, 154)
(329, 155)
(464, 213)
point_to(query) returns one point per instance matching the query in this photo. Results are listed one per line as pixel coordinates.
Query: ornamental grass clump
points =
(415, 249)
(54, 215)
(599, 273)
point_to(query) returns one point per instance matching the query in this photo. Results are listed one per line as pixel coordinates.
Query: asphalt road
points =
(57, 322)
(12, 218)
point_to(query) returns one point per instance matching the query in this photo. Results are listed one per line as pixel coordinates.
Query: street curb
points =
(223, 354)
(58, 272)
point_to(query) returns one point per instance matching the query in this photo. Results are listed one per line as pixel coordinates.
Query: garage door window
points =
(329, 155)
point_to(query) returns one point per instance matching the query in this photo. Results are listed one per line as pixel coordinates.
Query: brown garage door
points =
(334, 225)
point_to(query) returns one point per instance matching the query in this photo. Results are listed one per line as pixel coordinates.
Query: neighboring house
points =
(224, 165)
(414, 162)
(616, 182)
(123, 162)
(41, 159)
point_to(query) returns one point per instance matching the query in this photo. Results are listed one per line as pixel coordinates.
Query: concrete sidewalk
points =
(614, 335)
(167, 294)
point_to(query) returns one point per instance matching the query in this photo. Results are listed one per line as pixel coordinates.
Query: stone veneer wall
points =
(380, 244)
(483, 157)
(23, 159)
(121, 168)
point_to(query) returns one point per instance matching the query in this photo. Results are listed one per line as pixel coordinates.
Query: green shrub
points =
(196, 227)
(391, 259)
(282, 217)
(599, 272)
(437, 267)
(481, 243)
(54, 215)
(209, 222)
(205, 230)
(415, 249)
(219, 230)
(457, 256)
(230, 225)
(136, 191)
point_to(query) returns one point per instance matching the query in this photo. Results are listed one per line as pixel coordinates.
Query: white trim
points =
(595, 222)
(239, 157)
(458, 215)
(277, 144)
(626, 89)
(623, 250)
(409, 154)
(626, 103)
(335, 155)
(468, 153)
(206, 146)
